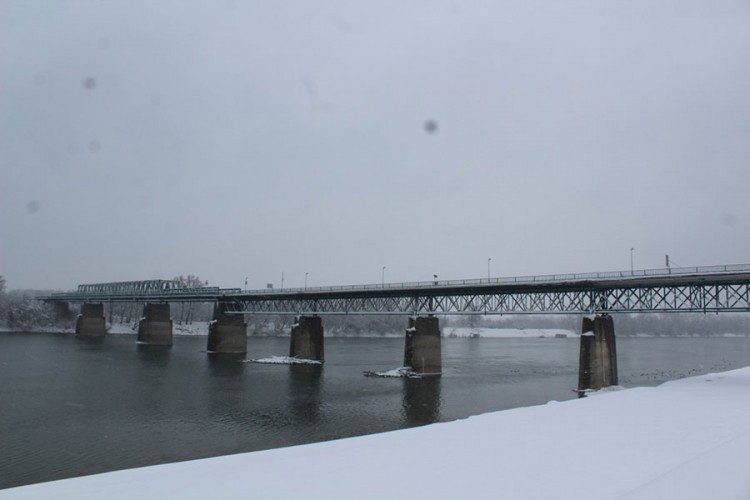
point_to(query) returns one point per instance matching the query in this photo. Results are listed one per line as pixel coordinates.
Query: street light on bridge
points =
(382, 278)
(631, 259)
(488, 268)
(246, 284)
(306, 280)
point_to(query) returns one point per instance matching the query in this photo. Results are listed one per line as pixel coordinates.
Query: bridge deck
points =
(714, 289)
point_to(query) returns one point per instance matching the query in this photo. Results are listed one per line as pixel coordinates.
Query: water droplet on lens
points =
(89, 83)
(32, 207)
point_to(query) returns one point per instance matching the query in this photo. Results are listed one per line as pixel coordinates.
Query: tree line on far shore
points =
(20, 311)
(657, 324)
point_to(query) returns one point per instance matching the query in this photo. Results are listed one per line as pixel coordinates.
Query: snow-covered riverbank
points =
(499, 333)
(683, 439)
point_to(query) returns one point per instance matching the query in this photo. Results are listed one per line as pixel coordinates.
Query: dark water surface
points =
(71, 406)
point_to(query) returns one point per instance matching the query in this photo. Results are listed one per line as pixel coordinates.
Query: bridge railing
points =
(544, 278)
(177, 293)
(541, 279)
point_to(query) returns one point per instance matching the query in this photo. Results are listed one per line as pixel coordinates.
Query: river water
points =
(72, 406)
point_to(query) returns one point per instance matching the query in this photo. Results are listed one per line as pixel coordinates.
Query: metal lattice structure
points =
(131, 286)
(714, 289)
(140, 291)
(652, 295)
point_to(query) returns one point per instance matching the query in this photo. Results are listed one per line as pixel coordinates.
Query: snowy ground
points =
(201, 328)
(195, 328)
(46, 329)
(685, 439)
(507, 332)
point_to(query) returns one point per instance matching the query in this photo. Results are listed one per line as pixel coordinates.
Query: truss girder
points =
(576, 297)
(131, 286)
(705, 298)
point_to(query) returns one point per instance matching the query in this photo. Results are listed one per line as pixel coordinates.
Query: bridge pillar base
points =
(598, 355)
(90, 323)
(155, 327)
(422, 349)
(307, 338)
(227, 333)
(62, 310)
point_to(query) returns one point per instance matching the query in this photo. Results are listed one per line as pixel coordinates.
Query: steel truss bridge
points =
(698, 289)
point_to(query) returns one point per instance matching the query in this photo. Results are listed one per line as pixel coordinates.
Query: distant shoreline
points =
(200, 329)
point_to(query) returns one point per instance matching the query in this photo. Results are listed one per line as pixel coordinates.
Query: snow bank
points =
(122, 328)
(35, 329)
(506, 333)
(685, 439)
(195, 328)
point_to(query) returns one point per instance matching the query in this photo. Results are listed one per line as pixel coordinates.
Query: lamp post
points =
(282, 280)
(306, 280)
(382, 278)
(489, 259)
(631, 260)
(245, 284)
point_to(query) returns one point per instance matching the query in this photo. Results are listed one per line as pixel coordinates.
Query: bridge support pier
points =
(227, 333)
(90, 323)
(422, 349)
(307, 338)
(155, 327)
(62, 310)
(598, 355)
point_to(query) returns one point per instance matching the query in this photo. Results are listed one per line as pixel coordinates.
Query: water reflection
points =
(91, 342)
(305, 391)
(154, 354)
(227, 399)
(421, 404)
(221, 364)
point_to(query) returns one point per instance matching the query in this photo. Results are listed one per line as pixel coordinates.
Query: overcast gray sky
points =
(143, 139)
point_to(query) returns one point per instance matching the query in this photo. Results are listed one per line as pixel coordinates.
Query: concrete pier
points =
(90, 323)
(598, 355)
(155, 327)
(422, 350)
(227, 333)
(307, 338)
(62, 310)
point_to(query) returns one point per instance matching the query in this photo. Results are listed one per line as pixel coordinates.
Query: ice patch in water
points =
(404, 371)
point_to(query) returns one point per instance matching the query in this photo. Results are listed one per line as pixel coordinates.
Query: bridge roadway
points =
(698, 289)
(702, 289)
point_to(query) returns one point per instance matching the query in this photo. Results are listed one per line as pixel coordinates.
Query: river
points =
(72, 406)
